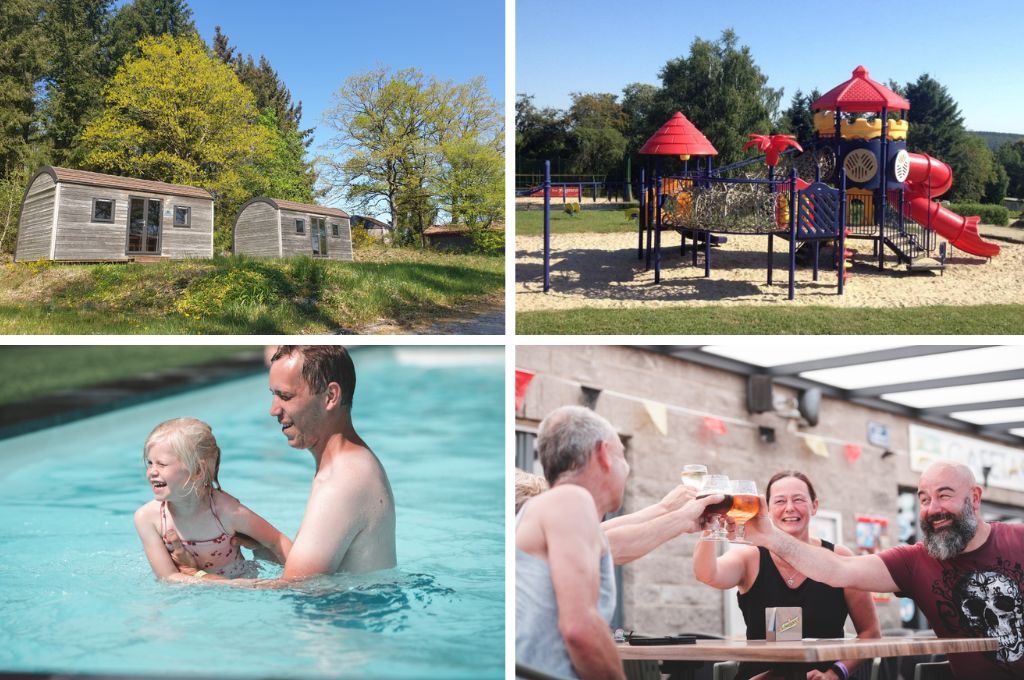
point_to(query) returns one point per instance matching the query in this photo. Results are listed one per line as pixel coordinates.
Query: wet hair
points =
(192, 441)
(322, 365)
(789, 473)
(567, 437)
(528, 485)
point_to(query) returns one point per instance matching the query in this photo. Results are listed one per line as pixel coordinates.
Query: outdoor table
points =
(802, 651)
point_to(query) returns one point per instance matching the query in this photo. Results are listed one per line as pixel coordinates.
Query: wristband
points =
(201, 573)
(841, 670)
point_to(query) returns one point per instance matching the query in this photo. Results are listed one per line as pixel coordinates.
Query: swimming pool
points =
(77, 594)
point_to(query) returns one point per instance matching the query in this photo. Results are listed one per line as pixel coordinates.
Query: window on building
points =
(102, 210)
(300, 226)
(182, 216)
(335, 230)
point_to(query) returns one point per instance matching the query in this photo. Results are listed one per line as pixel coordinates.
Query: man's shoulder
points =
(564, 499)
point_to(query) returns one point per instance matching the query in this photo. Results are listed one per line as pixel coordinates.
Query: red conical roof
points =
(860, 94)
(678, 137)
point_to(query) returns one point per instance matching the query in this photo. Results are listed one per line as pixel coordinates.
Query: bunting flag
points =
(852, 452)
(714, 424)
(658, 415)
(816, 445)
(523, 379)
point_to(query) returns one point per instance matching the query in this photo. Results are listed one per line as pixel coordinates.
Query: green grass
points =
(773, 320)
(31, 372)
(531, 222)
(396, 287)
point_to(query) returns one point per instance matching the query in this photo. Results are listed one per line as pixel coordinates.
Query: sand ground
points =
(603, 271)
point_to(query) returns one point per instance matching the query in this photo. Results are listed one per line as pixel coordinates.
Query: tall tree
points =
(798, 119)
(193, 123)
(936, 124)
(971, 160)
(599, 125)
(143, 19)
(541, 134)
(720, 89)
(399, 133)
(75, 32)
(1011, 157)
(22, 61)
(274, 100)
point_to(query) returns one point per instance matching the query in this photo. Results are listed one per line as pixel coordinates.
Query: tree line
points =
(721, 90)
(135, 91)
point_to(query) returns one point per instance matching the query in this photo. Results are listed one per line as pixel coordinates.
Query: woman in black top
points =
(766, 580)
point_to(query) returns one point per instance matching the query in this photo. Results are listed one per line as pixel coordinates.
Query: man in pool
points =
(349, 524)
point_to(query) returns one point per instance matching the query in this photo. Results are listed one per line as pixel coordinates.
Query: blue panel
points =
(817, 212)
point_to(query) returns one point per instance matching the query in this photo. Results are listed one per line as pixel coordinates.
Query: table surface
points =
(806, 651)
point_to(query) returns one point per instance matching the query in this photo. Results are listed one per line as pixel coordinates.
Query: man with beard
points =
(966, 576)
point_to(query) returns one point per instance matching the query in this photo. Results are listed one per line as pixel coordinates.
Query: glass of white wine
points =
(693, 476)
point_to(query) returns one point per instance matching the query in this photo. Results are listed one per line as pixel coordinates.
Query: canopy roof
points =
(860, 94)
(678, 137)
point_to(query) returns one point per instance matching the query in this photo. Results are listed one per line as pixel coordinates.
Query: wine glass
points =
(716, 485)
(693, 476)
(745, 506)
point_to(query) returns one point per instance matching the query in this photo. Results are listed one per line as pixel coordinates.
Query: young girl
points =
(190, 521)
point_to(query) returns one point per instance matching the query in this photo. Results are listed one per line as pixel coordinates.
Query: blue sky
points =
(314, 45)
(602, 45)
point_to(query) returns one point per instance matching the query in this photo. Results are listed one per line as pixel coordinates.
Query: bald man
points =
(966, 575)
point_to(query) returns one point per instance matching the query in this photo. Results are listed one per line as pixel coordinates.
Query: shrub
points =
(213, 294)
(361, 238)
(488, 241)
(989, 214)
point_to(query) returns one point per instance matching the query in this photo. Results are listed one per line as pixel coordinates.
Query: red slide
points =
(930, 176)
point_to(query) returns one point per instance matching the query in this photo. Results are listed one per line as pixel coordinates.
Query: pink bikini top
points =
(220, 555)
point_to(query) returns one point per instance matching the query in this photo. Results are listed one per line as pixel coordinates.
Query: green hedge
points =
(989, 214)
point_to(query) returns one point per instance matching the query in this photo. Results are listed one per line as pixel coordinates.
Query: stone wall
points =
(660, 595)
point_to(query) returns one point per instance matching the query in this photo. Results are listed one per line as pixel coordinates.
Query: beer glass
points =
(693, 476)
(744, 506)
(716, 485)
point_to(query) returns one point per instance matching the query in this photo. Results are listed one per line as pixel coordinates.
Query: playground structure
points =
(861, 182)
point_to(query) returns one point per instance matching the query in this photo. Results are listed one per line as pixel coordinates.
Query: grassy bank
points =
(398, 289)
(37, 371)
(773, 320)
(531, 222)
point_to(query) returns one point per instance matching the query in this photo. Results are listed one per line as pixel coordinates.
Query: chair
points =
(933, 670)
(636, 669)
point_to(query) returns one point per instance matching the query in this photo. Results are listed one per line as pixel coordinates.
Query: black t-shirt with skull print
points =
(975, 594)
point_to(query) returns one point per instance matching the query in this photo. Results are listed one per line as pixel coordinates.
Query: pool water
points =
(77, 594)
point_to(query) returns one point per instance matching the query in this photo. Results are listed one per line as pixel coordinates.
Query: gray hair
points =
(567, 438)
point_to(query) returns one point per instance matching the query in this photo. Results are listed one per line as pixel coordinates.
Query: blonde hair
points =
(528, 486)
(192, 441)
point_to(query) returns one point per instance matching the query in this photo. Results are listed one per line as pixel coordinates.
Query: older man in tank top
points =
(565, 585)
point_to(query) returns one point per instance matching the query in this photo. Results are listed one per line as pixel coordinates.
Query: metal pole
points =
(842, 229)
(883, 159)
(657, 232)
(793, 202)
(547, 226)
(640, 217)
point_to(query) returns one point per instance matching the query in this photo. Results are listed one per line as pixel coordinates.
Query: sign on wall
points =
(1007, 464)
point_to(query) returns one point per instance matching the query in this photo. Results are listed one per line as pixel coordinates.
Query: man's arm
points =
(673, 500)
(572, 536)
(632, 541)
(245, 521)
(334, 517)
(864, 572)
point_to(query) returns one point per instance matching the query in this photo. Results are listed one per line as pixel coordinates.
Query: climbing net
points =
(726, 207)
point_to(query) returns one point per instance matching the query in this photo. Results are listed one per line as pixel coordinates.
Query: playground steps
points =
(925, 264)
